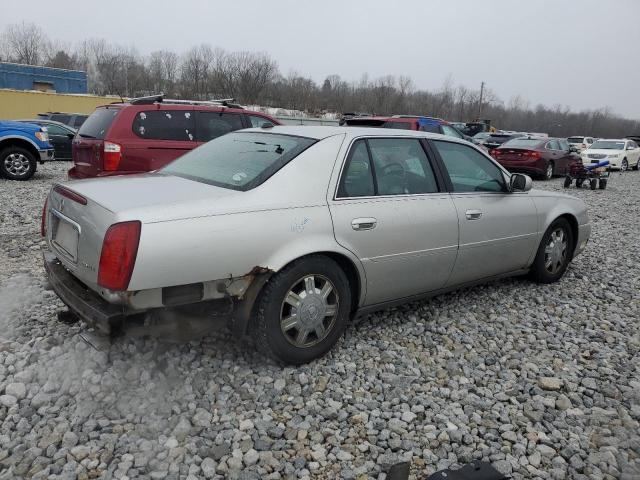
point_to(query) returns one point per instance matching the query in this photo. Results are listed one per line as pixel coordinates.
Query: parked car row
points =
(289, 232)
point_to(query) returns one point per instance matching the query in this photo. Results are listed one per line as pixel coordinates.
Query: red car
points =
(147, 133)
(408, 122)
(539, 157)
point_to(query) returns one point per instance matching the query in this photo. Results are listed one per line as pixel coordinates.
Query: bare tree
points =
(25, 43)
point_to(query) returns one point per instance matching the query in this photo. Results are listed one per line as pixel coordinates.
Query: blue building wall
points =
(27, 77)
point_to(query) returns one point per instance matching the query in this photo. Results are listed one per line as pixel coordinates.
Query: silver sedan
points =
(291, 232)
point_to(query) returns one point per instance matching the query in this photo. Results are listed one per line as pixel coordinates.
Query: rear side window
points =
(215, 124)
(396, 166)
(98, 123)
(177, 125)
(430, 127)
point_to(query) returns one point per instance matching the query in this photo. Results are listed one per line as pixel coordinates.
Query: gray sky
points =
(580, 53)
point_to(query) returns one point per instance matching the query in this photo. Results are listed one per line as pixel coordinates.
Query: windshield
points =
(521, 143)
(240, 161)
(607, 145)
(98, 123)
(575, 139)
(481, 135)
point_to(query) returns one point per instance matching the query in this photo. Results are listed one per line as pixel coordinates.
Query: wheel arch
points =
(20, 142)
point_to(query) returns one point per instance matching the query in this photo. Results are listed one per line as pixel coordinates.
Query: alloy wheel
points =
(555, 251)
(309, 311)
(17, 164)
(624, 166)
(549, 172)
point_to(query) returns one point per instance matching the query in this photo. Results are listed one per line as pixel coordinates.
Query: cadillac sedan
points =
(291, 232)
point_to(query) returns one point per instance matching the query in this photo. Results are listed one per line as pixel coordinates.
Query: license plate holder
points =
(65, 236)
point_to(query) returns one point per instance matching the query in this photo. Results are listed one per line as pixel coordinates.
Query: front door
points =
(498, 229)
(392, 213)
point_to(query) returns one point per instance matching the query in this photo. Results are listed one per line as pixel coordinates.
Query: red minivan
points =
(147, 133)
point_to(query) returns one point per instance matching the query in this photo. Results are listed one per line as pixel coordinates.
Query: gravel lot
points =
(542, 380)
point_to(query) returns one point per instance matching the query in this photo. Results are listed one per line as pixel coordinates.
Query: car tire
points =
(602, 184)
(17, 164)
(593, 183)
(291, 315)
(548, 172)
(637, 167)
(554, 253)
(624, 166)
(579, 182)
(567, 181)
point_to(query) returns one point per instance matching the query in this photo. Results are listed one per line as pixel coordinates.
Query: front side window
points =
(240, 160)
(468, 169)
(56, 130)
(396, 166)
(553, 145)
(452, 132)
(177, 125)
(257, 121)
(215, 124)
(564, 145)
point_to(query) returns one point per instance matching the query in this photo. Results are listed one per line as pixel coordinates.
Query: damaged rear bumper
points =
(82, 301)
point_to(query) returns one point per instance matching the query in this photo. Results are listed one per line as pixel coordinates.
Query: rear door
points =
(88, 144)
(498, 229)
(392, 213)
(159, 137)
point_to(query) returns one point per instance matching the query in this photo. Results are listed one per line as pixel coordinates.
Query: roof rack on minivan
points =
(159, 98)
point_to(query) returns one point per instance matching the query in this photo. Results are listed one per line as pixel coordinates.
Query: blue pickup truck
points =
(22, 147)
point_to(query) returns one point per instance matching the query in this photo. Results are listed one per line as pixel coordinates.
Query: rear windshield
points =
(607, 145)
(575, 139)
(397, 125)
(239, 160)
(98, 123)
(522, 143)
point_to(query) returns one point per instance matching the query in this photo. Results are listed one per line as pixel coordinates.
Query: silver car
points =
(290, 232)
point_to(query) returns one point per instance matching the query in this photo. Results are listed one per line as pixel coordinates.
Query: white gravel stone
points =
(442, 381)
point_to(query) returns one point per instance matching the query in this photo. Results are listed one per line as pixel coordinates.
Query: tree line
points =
(253, 78)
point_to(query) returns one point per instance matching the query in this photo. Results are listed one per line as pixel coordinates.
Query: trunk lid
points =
(514, 154)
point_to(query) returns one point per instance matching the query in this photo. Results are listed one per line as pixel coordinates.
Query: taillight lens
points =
(43, 221)
(112, 156)
(493, 152)
(533, 154)
(118, 256)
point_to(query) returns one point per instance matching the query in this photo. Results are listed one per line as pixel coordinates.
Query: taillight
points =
(43, 221)
(112, 156)
(494, 152)
(70, 194)
(532, 154)
(118, 256)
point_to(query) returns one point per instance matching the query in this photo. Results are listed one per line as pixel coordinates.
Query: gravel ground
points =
(541, 380)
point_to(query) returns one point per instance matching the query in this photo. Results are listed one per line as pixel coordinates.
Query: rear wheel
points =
(593, 183)
(567, 182)
(637, 167)
(554, 253)
(602, 184)
(624, 166)
(17, 164)
(303, 310)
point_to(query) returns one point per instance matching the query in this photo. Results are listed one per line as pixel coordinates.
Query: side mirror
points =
(520, 183)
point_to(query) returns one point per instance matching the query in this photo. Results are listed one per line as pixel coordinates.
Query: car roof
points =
(613, 139)
(320, 132)
(180, 106)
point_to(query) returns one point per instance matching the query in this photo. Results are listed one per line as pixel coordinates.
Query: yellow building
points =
(15, 104)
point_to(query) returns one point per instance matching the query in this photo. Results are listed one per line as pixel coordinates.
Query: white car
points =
(622, 154)
(581, 143)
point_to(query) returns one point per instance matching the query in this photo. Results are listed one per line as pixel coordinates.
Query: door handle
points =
(368, 223)
(473, 214)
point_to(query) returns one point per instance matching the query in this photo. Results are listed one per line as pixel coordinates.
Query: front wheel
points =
(17, 164)
(303, 310)
(567, 181)
(554, 253)
(637, 167)
(548, 173)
